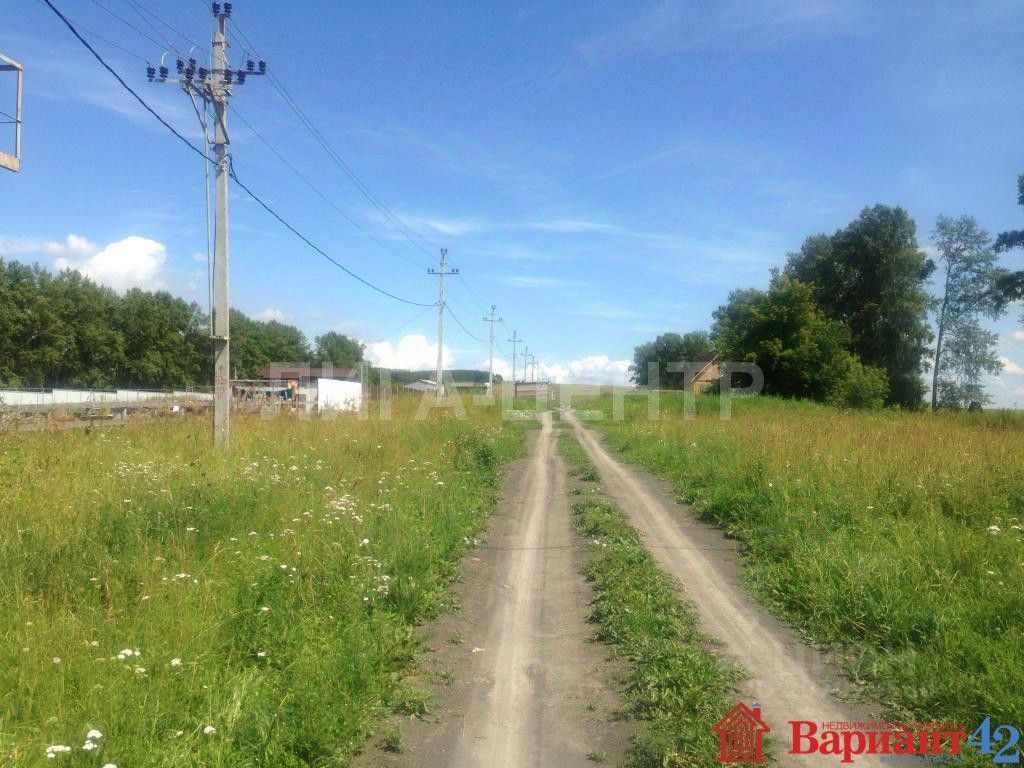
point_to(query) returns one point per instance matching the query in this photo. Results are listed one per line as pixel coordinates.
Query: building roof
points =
(304, 371)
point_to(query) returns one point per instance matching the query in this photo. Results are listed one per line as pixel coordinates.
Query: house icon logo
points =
(739, 735)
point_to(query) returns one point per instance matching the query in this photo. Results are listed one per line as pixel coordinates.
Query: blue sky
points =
(602, 171)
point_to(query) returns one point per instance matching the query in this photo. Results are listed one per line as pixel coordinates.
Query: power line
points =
(473, 293)
(256, 198)
(317, 191)
(125, 85)
(102, 39)
(206, 158)
(466, 330)
(124, 21)
(141, 9)
(389, 215)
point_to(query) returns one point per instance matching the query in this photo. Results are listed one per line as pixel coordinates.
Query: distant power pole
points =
(490, 370)
(513, 341)
(526, 362)
(215, 86)
(441, 273)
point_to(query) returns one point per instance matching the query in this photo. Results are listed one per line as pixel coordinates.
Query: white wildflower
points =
(93, 735)
(209, 730)
(175, 662)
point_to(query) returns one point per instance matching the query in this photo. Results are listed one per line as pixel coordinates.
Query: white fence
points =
(57, 397)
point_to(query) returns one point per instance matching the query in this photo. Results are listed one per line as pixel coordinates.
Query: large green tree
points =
(871, 276)
(64, 330)
(337, 349)
(692, 347)
(802, 352)
(256, 344)
(968, 269)
(165, 339)
(1009, 286)
(970, 354)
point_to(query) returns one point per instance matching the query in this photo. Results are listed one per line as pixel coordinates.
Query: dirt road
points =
(529, 686)
(790, 680)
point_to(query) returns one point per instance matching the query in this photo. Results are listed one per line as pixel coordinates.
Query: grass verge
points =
(254, 607)
(675, 683)
(895, 536)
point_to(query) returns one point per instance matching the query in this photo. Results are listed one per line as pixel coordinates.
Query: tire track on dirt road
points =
(531, 687)
(791, 680)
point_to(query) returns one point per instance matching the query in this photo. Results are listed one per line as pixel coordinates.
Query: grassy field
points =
(675, 683)
(895, 536)
(248, 609)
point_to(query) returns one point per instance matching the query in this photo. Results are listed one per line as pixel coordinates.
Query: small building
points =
(307, 388)
(305, 374)
(422, 385)
(708, 376)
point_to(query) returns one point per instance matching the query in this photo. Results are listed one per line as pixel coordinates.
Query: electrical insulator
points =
(241, 77)
(202, 73)
(192, 64)
(227, 76)
(263, 67)
(180, 65)
(227, 9)
(188, 74)
(163, 73)
(150, 72)
(250, 65)
(216, 9)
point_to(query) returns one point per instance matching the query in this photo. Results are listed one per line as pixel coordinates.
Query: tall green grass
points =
(253, 608)
(896, 536)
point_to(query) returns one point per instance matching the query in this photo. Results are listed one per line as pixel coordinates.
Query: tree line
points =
(849, 319)
(65, 330)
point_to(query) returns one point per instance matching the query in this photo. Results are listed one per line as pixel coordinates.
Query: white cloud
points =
(413, 352)
(528, 281)
(15, 246)
(200, 257)
(669, 26)
(73, 245)
(1018, 335)
(574, 226)
(135, 262)
(501, 368)
(270, 314)
(1011, 367)
(436, 225)
(596, 369)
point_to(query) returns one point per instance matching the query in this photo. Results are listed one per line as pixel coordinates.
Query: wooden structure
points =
(12, 162)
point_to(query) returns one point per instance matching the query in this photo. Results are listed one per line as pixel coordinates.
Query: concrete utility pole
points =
(215, 86)
(513, 341)
(526, 362)
(490, 370)
(441, 273)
